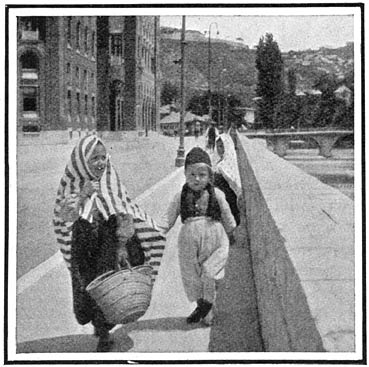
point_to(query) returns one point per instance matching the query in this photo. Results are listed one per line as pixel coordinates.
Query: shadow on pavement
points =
(87, 343)
(161, 324)
(237, 327)
(69, 344)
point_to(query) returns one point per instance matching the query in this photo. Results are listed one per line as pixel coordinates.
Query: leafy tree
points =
(269, 64)
(199, 103)
(169, 93)
(324, 115)
(285, 112)
(291, 81)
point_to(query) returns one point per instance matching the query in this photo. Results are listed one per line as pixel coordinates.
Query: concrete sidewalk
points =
(46, 323)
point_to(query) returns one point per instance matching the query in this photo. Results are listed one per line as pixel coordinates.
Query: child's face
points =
(97, 161)
(197, 176)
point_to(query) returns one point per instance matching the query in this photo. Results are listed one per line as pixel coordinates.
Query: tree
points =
(199, 103)
(285, 112)
(269, 64)
(169, 93)
(291, 81)
(326, 108)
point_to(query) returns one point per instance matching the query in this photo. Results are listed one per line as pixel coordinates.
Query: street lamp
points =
(180, 152)
(220, 84)
(209, 65)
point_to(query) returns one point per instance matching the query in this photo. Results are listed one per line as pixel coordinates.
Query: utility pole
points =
(180, 152)
(209, 67)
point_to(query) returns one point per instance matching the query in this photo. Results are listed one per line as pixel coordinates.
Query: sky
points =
(292, 32)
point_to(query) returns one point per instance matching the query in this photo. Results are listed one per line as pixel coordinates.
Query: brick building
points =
(87, 73)
(141, 87)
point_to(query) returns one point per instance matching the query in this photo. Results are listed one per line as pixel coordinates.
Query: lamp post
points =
(220, 84)
(180, 152)
(209, 66)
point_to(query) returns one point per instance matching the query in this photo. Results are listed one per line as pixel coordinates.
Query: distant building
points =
(141, 73)
(56, 72)
(87, 73)
(344, 93)
(249, 115)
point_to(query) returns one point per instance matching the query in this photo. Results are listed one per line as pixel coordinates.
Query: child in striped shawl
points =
(99, 228)
(203, 242)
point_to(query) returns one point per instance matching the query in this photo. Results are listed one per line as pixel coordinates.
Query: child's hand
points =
(70, 209)
(88, 189)
(122, 255)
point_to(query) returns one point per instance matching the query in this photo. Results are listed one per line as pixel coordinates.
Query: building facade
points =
(77, 72)
(141, 89)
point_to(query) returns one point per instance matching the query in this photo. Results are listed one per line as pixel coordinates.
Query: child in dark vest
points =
(203, 239)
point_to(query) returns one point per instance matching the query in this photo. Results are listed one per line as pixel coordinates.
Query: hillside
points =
(240, 76)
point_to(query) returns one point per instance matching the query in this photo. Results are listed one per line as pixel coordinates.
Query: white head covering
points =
(227, 165)
(111, 199)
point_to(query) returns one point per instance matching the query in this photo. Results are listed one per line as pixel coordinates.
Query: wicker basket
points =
(123, 296)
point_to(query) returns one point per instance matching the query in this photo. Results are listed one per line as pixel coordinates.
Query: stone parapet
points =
(301, 235)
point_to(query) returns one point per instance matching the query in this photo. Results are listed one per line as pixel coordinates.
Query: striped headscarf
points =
(228, 166)
(111, 199)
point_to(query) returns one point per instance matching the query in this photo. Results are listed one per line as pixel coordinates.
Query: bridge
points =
(279, 140)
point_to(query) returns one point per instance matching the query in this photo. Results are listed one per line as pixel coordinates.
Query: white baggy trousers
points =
(203, 251)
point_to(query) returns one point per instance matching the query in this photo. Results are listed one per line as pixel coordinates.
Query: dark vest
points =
(189, 199)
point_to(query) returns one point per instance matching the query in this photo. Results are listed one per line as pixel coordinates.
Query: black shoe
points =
(202, 309)
(195, 316)
(205, 307)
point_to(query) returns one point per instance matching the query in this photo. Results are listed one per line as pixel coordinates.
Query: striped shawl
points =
(111, 199)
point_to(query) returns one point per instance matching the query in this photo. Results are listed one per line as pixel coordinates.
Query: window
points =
(77, 74)
(93, 106)
(86, 40)
(93, 44)
(29, 60)
(69, 102)
(28, 84)
(86, 104)
(31, 28)
(116, 45)
(30, 99)
(68, 68)
(78, 103)
(69, 31)
(85, 78)
(78, 35)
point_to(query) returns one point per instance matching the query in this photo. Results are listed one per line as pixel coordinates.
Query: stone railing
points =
(301, 234)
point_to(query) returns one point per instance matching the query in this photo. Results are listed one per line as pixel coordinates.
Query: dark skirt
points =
(94, 252)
